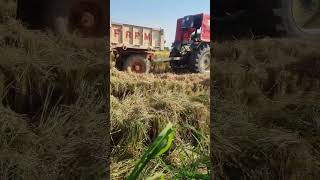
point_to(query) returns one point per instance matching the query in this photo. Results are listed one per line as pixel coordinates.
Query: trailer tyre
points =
(200, 60)
(137, 64)
(86, 17)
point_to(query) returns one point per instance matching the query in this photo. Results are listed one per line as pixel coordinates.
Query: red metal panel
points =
(187, 34)
(205, 30)
(179, 30)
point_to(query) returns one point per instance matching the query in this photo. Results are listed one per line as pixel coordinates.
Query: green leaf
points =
(167, 144)
(161, 144)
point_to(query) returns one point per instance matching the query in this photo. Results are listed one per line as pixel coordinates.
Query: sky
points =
(156, 13)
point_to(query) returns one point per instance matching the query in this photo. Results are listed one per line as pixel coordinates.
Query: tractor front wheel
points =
(177, 66)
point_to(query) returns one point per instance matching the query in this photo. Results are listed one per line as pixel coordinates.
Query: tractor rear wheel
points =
(298, 17)
(200, 60)
(137, 64)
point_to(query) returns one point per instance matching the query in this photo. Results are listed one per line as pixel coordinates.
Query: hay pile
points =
(141, 105)
(266, 109)
(53, 108)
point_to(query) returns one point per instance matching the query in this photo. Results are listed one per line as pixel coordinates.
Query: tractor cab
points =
(192, 28)
(192, 43)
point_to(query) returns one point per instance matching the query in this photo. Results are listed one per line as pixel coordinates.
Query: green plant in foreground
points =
(161, 144)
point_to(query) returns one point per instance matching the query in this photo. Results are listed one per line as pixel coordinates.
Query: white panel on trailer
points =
(132, 36)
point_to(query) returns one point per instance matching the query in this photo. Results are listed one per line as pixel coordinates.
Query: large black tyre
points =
(199, 60)
(254, 19)
(86, 17)
(137, 64)
(287, 22)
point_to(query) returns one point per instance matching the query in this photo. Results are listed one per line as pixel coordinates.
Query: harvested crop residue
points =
(53, 104)
(266, 109)
(141, 105)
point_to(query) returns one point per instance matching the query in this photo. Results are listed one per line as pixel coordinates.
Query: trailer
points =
(134, 46)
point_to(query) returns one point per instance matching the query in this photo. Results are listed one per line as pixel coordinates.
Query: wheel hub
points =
(137, 67)
(87, 20)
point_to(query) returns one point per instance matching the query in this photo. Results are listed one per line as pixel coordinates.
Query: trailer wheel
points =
(200, 60)
(298, 17)
(86, 17)
(137, 64)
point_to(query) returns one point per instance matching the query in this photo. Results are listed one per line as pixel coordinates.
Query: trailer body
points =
(136, 37)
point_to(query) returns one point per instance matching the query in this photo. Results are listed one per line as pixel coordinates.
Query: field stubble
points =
(141, 105)
(53, 104)
(266, 109)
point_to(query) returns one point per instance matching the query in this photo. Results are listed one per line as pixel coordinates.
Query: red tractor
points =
(192, 44)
